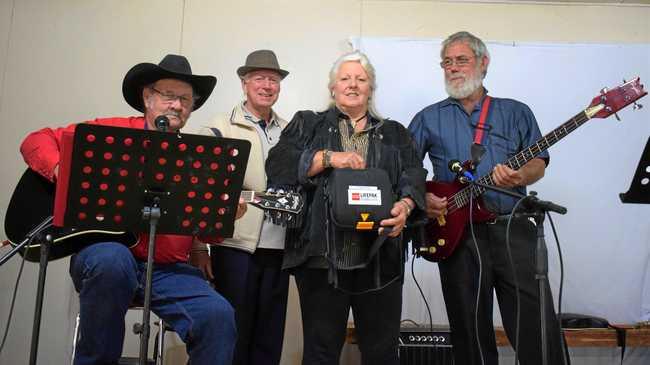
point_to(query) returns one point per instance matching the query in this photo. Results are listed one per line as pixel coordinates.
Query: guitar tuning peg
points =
(617, 117)
(604, 90)
(637, 106)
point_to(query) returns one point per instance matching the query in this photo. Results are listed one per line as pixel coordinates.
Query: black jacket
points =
(390, 148)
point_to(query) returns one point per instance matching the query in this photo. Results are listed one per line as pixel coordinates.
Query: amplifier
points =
(422, 346)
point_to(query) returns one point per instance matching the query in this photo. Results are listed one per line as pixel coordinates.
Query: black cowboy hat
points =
(171, 67)
(262, 59)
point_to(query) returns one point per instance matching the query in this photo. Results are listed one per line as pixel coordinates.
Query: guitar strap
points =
(480, 127)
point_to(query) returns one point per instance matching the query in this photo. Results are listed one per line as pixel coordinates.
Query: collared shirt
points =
(272, 235)
(445, 131)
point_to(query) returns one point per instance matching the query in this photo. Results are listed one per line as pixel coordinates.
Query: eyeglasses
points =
(260, 79)
(186, 101)
(460, 61)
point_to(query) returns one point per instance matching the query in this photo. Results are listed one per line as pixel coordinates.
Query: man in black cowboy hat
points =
(247, 269)
(108, 275)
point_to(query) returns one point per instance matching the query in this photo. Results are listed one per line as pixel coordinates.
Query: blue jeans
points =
(108, 279)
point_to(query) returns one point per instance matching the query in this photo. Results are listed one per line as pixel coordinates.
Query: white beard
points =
(466, 88)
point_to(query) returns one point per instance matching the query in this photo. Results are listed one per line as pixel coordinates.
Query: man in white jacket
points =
(246, 269)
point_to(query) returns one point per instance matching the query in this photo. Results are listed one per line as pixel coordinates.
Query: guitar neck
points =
(462, 197)
(248, 196)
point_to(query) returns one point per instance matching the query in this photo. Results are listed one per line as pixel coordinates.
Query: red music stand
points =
(122, 179)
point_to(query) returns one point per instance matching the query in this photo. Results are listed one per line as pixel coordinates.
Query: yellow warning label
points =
(365, 225)
(364, 216)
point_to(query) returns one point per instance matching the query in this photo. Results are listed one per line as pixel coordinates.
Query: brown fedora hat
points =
(171, 67)
(262, 59)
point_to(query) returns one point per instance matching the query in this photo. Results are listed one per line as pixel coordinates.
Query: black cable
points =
(516, 280)
(13, 302)
(480, 274)
(559, 303)
(421, 293)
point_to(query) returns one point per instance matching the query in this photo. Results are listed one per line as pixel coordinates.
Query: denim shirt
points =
(445, 131)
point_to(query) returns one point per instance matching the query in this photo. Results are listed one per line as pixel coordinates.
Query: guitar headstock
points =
(613, 100)
(285, 202)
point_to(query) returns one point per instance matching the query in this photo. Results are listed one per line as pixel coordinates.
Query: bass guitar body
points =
(444, 233)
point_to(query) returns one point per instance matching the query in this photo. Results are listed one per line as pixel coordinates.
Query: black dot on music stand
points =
(124, 172)
(203, 224)
(83, 200)
(225, 197)
(119, 203)
(182, 147)
(221, 211)
(160, 176)
(218, 225)
(188, 209)
(117, 218)
(233, 152)
(108, 155)
(146, 143)
(99, 217)
(196, 164)
(185, 223)
(191, 194)
(205, 210)
(164, 145)
(106, 171)
(226, 182)
(90, 138)
(180, 163)
(177, 178)
(211, 181)
(121, 188)
(231, 167)
(87, 169)
(103, 186)
(109, 139)
(81, 215)
(128, 142)
(101, 202)
(200, 149)
(89, 154)
(194, 180)
(214, 166)
(126, 157)
(85, 185)
(216, 151)
(208, 195)
(162, 161)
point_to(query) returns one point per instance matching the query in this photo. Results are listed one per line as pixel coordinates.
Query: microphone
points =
(464, 175)
(162, 123)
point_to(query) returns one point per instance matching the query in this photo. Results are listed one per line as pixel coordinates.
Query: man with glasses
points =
(445, 131)
(246, 269)
(108, 275)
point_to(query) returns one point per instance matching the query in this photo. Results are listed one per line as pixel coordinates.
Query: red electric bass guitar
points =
(444, 233)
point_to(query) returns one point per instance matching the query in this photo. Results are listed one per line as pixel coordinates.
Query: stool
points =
(159, 343)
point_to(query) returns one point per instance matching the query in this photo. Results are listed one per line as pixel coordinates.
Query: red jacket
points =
(40, 150)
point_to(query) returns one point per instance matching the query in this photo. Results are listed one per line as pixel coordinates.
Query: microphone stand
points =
(536, 210)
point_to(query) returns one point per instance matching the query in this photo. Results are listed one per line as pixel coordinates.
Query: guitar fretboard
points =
(462, 197)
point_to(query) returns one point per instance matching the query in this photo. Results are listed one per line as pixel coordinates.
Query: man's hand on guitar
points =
(201, 260)
(505, 177)
(436, 206)
(241, 208)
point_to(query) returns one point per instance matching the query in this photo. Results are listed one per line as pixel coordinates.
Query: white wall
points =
(64, 60)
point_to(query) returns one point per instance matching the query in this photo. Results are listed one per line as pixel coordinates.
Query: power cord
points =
(480, 274)
(13, 302)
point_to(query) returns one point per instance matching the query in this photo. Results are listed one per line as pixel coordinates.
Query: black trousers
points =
(257, 288)
(459, 275)
(325, 311)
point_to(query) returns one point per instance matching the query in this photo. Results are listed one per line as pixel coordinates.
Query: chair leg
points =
(159, 345)
(75, 338)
